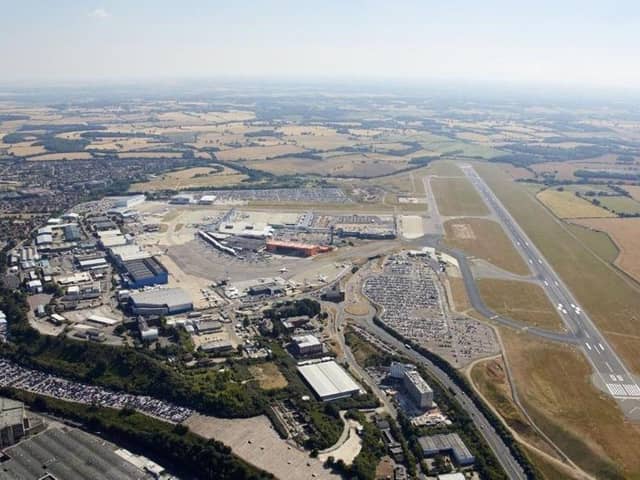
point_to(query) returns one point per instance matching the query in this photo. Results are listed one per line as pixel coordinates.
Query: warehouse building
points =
(328, 380)
(144, 272)
(419, 391)
(306, 345)
(446, 444)
(12, 422)
(166, 301)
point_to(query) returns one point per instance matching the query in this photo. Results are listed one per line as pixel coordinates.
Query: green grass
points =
(457, 197)
(598, 242)
(621, 205)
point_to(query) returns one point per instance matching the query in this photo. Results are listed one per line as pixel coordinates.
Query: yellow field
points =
(190, 178)
(257, 153)
(522, 301)
(25, 149)
(553, 382)
(625, 232)
(125, 144)
(62, 156)
(634, 191)
(568, 205)
(150, 154)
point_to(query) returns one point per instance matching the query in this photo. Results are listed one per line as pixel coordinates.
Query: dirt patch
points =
(268, 376)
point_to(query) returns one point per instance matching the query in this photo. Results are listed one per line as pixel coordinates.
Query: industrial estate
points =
(381, 288)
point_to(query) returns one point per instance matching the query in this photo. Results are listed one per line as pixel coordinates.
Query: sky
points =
(566, 43)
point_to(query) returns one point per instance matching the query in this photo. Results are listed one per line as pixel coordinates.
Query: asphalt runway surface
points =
(612, 375)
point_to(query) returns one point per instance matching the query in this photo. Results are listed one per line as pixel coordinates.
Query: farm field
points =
(568, 205)
(608, 295)
(625, 232)
(621, 205)
(457, 197)
(190, 178)
(634, 191)
(484, 239)
(347, 166)
(524, 302)
(553, 383)
(257, 153)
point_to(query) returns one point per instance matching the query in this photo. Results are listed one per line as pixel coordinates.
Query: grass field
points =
(457, 197)
(568, 205)
(553, 383)
(484, 239)
(522, 301)
(460, 299)
(490, 378)
(625, 232)
(611, 299)
(190, 178)
(445, 169)
(268, 376)
(598, 242)
(621, 205)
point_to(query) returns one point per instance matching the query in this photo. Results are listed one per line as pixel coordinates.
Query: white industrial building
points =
(419, 390)
(127, 201)
(328, 380)
(164, 301)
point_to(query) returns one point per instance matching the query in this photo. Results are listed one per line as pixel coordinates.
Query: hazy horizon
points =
(575, 44)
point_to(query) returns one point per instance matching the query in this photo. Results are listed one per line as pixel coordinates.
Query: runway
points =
(613, 376)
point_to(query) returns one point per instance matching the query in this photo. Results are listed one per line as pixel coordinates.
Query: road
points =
(614, 376)
(510, 465)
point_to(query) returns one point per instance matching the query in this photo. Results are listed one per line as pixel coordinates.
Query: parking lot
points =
(12, 375)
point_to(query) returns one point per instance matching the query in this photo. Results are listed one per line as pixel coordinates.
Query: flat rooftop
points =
(163, 296)
(68, 454)
(416, 379)
(329, 380)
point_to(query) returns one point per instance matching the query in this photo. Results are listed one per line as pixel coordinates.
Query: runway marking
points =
(608, 366)
(588, 346)
(632, 389)
(616, 390)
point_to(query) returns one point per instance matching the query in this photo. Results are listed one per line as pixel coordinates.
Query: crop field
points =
(621, 205)
(190, 178)
(258, 153)
(348, 166)
(553, 383)
(625, 232)
(62, 156)
(484, 239)
(457, 197)
(568, 205)
(612, 299)
(524, 302)
(634, 191)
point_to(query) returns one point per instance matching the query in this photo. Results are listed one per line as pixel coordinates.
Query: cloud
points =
(99, 13)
